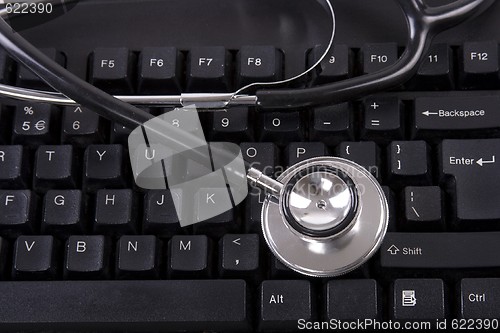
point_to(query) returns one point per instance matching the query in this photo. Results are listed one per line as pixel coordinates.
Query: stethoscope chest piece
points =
(324, 216)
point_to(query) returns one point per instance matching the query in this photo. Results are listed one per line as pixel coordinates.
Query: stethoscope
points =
(321, 217)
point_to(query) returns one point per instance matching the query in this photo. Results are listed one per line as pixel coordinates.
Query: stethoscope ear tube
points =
(423, 24)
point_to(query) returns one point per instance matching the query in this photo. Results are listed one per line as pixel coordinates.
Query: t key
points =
(54, 167)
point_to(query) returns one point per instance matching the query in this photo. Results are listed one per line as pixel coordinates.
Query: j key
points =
(480, 65)
(137, 256)
(456, 116)
(54, 168)
(281, 127)
(34, 124)
(253, 210)
(103, 166)
(86, 257)
(13, 167)
(160, 70)
(300, 151)
(63, 212)
(17, 211)
(160, 216)
(382, 119)
(114, 211)
(332, 124)
(111, 70)
(352, 299)
(408, 162)
(232, 125)
(208, 70)
(423, 208)
(334, 67)
(34, 257)
(379, 56)
(186, 305)
(418, 299)
(260, 155)
(480, 298)
(283, 303)
(209, 201)
(239, 254)
(259, 64)
(365, 154)
(26, 78)
(436, 71)
(440, 250)
(189, 256)
(81, 126)
(474, 190)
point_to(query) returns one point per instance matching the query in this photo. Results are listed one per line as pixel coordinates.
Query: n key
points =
(137, 256)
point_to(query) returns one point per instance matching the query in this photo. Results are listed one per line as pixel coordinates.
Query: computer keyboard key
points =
(393, 209)
(409, 163)
(382, 119)
(423, 208)
(35, 124)
(456, 116)
(183, 305)
(103, 167)
(440, 250)
(27, 79)
(17, 212)
(189, 256)
(54, 168)
(469, 170)
(283, 303)
(82, 127)
(239, 255)
(160, 70)
(111, 70)
(137, 257)
(281, 127)
(34, 258)
(335, 66)
(208, 202)
(63, 213)
(86, 257)
(418, 299)
(208, 69)
(6, 67)
(332, 124)
(114, 212)
(436, 71)
(353, 299)
(299, 151)
(480, 65)
(479, 298)
(260, 155)
(366, 154)
(14, 167)
(253, 210)
(258, 64)
(160, 215)
(377, 56)
(232, 125)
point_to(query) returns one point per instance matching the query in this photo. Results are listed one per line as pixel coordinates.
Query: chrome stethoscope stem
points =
(257, 179)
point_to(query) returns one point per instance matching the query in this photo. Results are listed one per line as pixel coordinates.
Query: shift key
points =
(442, 250)
(454, 116)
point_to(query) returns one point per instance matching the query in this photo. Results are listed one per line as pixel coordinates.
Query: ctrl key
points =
(480, 298)
(283, 304)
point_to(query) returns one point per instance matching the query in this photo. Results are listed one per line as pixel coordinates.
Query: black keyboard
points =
(82, 248)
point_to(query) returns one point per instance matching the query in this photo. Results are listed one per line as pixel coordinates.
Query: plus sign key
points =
(382, 119)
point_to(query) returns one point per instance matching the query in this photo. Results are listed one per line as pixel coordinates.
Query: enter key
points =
(469, 172)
